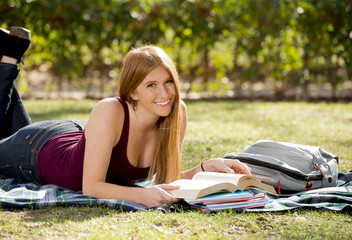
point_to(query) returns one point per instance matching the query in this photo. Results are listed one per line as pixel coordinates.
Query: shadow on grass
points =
(53, 215)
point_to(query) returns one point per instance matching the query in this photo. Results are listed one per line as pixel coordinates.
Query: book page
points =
(218, 177)
(226, 177)
(192, 184)
(241, 181)
(205, 183)
(198, 188)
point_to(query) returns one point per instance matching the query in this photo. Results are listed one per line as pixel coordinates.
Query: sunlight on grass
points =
(217, 128)
(40, 110)
(214, 129)
(104, 223)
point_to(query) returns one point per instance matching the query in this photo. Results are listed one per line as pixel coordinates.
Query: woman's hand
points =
(158, 195)
(226, 166)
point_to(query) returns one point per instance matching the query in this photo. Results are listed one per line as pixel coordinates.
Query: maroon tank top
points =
(60, 160)
(121, 171)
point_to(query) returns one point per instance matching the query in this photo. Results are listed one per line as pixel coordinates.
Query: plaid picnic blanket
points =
(31, 195)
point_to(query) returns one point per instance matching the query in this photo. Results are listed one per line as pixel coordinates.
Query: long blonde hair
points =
(137, 64)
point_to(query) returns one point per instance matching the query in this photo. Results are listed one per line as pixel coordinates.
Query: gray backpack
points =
(292, 167)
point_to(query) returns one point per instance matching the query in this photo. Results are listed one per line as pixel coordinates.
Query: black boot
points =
(14, 43)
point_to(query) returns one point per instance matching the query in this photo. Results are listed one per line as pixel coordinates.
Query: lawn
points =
(214, 128)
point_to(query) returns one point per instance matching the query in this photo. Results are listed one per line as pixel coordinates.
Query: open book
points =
(205, 183)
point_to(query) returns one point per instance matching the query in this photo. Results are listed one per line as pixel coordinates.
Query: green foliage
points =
(290, 42)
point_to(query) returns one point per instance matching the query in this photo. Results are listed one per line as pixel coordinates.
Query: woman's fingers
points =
(238, 167)
(166, 197)
(168, 187)
(226, 166)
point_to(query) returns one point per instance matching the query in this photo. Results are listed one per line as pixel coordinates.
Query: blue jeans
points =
(13, 114)
(18, 153)
(20, 141)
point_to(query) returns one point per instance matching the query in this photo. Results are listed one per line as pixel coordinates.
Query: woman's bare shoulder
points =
(110, 106)
(107, 114)
(184, 111)
(183, 105)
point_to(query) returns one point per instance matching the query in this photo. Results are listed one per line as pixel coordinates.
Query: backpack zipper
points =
(292, 173)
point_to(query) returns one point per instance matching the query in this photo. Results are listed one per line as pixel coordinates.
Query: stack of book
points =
(212, 191)
(229, 200)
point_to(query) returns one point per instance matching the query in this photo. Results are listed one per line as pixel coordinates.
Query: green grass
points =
(214, 128)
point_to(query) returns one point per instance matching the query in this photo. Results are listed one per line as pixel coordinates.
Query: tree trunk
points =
(305, 85)
(59, 87)
(234, 74)
(102, 87)
(206, 68)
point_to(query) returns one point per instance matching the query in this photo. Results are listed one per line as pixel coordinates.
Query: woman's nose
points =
(163, 91)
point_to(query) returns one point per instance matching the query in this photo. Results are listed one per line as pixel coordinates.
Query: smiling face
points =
(156, 93)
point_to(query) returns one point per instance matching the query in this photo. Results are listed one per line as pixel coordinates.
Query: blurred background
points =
(237, 49)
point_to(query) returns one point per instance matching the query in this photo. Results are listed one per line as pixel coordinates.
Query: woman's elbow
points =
(87, 189)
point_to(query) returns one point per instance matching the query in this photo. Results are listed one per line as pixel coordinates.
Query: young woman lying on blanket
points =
(126, 139)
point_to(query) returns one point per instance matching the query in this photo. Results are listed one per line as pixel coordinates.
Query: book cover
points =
(251, 203)
(222, 197)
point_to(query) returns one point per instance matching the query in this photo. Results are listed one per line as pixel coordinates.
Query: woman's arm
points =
(218, 165)
(102, 132)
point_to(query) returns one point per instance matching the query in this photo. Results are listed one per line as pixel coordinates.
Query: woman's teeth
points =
(162, 103)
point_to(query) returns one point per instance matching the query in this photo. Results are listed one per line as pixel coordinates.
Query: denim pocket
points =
(29, 133)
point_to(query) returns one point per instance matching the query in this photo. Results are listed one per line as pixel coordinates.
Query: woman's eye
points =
(170, 81)
(151, 85)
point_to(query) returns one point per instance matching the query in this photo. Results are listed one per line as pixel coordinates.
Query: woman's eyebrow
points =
(150, 81)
